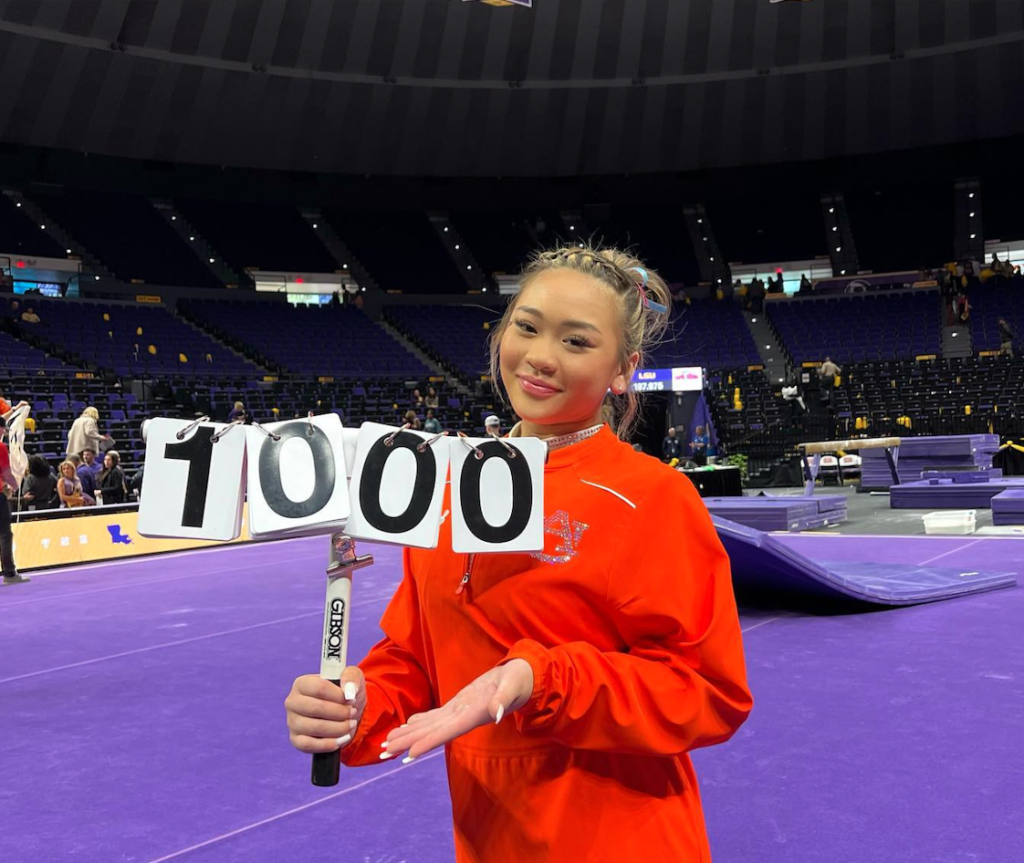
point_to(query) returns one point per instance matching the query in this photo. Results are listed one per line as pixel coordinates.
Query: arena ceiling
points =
(450, 88)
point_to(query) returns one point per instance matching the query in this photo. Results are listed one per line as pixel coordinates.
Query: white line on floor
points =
(754, 626)
(302, 808)
(951, 551)
(239, 569)
(161, 646)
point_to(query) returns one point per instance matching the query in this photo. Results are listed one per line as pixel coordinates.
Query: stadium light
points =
(68, 251)
(211, 260)
(970, 195)
(712, 258)
(572, 227)
(315, 226)
(193, 239)
(839, 248)
(43, 227)
(19, 204)
(973, 236)
(446, 229)
(456, 247)
(835, 227)
(972, 215)
(174, 218)
(831, 209)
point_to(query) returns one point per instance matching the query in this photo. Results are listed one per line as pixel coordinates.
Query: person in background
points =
(39, 491)
(805, 285)
(410, 419)
(430, 424)
(237, 413)
(8, 483)
(111, 479)
(85, 433)
(29, 316)
(135, 483)
(492, 426)
(699, 446)
(416, 400)
(432, 400)
(672, 446)
(1005, 339)
(5, 406)
(69, 488)
(85, 473)
(829, 369)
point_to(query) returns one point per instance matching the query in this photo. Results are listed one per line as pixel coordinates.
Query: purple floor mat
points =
(1008, 507)
(141, 704)
(948, 494)
(780, 513)
(861, 570)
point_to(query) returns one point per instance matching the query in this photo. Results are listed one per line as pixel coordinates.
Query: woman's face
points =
(560, 352)
(68, 471)
(108, 462)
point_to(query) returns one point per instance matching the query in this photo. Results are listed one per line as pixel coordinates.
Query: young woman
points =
(567, 685)
(69, 487)
(111, 479)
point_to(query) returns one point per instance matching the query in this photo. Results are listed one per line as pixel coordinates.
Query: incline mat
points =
(885, 570)
(949, 494)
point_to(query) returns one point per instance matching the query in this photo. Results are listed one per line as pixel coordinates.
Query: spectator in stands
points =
(1005, 338)
(39, 490)
(417, 400)
(135, 483)
(237, 413)
(8, 483)
(963, 308)
(29, 316)
(805, 285)
(829, 369)
(672, 446)
(85, 433)
(492, 426)
(410, 419)
(432, 399)
(430, 424)
(86, 474)
(111, 479)
(69, 488)
(699, 446)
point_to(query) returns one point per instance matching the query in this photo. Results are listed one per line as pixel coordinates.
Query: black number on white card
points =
(323, 466)
(522, 495)
(198, 452)
(422, 489)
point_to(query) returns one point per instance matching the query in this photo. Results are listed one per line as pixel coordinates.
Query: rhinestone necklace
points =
(565, 440)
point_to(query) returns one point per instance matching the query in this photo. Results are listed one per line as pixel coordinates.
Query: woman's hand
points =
(323, 717)
(487, 699)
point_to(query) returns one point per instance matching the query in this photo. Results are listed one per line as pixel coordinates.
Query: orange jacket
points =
(629, 622)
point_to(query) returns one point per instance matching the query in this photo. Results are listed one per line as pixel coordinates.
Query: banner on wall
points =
(49, 542)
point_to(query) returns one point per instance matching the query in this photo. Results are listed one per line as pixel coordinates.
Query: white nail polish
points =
(350, 691)
(384, 756)
(345, 738)
(384, 745)
(501, 713)
(408, 759)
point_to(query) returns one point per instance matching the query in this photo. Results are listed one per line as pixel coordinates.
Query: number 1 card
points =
(194, 484)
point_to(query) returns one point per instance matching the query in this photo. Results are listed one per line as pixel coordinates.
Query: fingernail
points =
(404, 725)
(501, 713)
(345, 738)
(384, 745)
(408, 759)
(384, 756)
(350, 691)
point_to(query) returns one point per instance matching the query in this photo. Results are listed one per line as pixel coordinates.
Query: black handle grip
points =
(326, 765)
(326, 768)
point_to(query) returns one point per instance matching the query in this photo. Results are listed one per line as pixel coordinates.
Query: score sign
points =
(683, 379)
(296, 475)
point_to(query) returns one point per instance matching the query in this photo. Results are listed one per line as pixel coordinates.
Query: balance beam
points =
(816, 448)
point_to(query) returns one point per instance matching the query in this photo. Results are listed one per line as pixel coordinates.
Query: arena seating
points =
(455, 336)
(989, 303)
(706, 333)
(311, 340)
(19, 235)
(79, 327)
(859, 328)
(259, 236)
(129, 236)
(400, 249)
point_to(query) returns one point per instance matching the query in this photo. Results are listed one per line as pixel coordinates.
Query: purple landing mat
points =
(865, 570)
(141, 704)
(780, 513)
(947, 494)
(944, 446)
(1008, 507)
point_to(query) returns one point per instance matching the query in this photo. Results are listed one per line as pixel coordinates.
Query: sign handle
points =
(342, 562)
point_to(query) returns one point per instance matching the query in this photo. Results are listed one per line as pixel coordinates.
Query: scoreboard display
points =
(681, 379)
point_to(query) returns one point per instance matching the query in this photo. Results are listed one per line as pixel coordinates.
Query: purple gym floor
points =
(141, 708)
